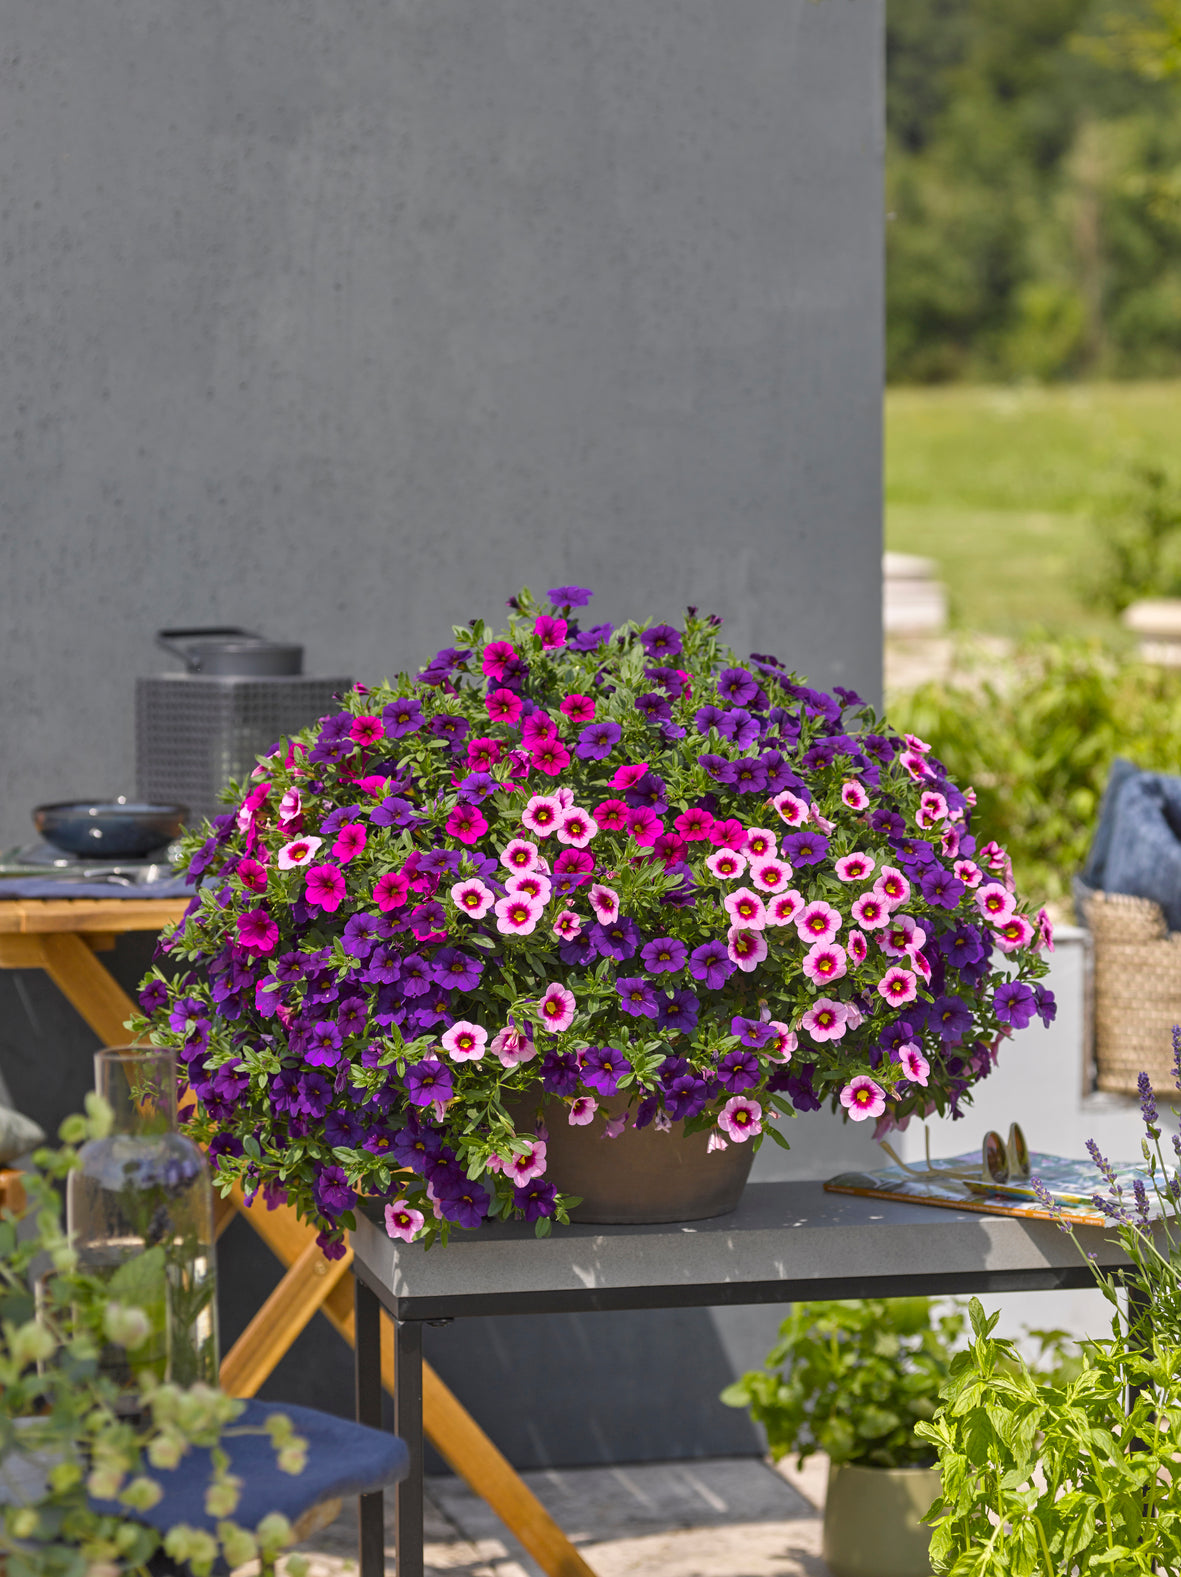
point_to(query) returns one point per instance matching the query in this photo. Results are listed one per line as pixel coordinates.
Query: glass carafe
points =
(140, 1210)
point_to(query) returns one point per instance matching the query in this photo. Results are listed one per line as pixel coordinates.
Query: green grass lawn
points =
(998, 484)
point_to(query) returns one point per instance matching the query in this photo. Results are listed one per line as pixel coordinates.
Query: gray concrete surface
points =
(346, 321)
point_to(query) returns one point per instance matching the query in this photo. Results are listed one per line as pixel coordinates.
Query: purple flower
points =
(684, 1096)
(603, 1067)
(570, 596)
(654, 707)
(559, 1073)
(707, 717)
(457, 970)
(1014, 1003)
(914, 851)
(343, 1128)
(476, 786)
(315, 1095)
(678, 1011)
(779, 774)
(650, 791)
(352, 1016)
(661, 641)
(738, 1070)
(588, 640)
(360, 934)
(751, 1032)
(462, 1200)
(804, 848)
(721, 770)
(428, 1081)
(332, 1191)
(939, 886)
(961, 945)
(597, 740)
(618, 939)
(416, 1145)
(393, 812)
(735, 684)
(636, 996)
(536, 1199)
(952, 1017)
(750, 775)
(1148, 1112)
(739, 726)
(416, 977)
(889, 822)
(450, 727)
(323, 1045)
(668, 679)
(403, 716)
(664, 956)
(711, 963)
(1047, 1008)
(153, 996)
(188, 1014)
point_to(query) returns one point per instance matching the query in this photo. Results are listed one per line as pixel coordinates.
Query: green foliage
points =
(1137, 549)
(1058, 1477)
(1037, 744)
(62, 1437)
(852, 1379)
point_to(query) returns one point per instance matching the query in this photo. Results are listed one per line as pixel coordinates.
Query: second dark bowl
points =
(109, 829)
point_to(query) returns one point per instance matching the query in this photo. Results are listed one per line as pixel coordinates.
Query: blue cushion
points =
(1137, 847)
(344, 1458)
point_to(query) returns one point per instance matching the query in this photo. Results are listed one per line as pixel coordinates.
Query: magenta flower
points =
(550, 632)
(467, 823)
(870, 911)
(504, 706)
(770, 875)
(483, 754)
(914, 1064)
(257, 932)
(611, 814)
(367, 730)
(403, 1221)
(391, 891)
(693, 824)
(825, 962)
(557, 1008)
(252, 875)
(1016, 932)
(465, 1042)
(726, 864)
(578, 708)
(914, 764)
(628, 776)
(1045, 930)
(855, 867)
(324, 888)
(862, 1098)
(290, 811)
(300, 851)
(644, 825)
(350, 841)
(747, 948)
(741, 1118)
(825, 1020)
(497, 656)
(854, 795)
(605, 902)
(537, 728)
(784, 907)
(820, 922)
(542, 814)
(897, 986)
(582, 1111)
(792, 809)
(577, 828)
(551, 757)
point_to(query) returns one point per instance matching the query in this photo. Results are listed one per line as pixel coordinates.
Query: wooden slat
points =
(40, 915)
(84, 982)
(12, 1190)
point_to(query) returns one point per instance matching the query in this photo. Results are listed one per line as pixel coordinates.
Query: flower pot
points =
(871, 1520)
(644, 1175)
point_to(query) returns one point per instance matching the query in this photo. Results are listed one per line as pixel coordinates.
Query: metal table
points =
(786, 1243)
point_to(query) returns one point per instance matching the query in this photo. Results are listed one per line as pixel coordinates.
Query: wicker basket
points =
(1137, 983)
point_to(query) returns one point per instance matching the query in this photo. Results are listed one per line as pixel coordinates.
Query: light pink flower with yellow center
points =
(897, 986)
(403, 1221)
(770, 875)
(582, 1111)
(783, 908)
(519, 855)
(915, 764)
(892, 887)
(902, 937)
(557, 1008)
(995, 903)
(858, 947)
(567, 925)
(532, 884)
(741, 1118)
(513, 1046)
(854, 795)
(726, 864)
(605, 902)
(1016, 932)
(577, 828)
(760, 844)
(1045, 927)
(825, 962)
(300, 851)
(792, 809)
(745, 947)
(745, 908)
(784, 1043)
(825, 1020)
(913, 742)
(855, 867)
(465, 1042)
(932, 810)
(290, 808)
(525, 1164)
(543, 814)
(870, 911)
(914, 1064)
(473, 897)
(819, 922)
(517, 914)
(968, 872)
(922, 967)
(862, 1098)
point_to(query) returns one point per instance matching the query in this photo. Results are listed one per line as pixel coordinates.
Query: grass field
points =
(998, 486)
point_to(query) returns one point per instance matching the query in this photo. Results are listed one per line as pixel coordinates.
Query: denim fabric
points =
(1137, 845)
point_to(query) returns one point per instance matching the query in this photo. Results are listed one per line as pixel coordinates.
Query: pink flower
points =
(625, 777)
(467, 823)
(517, 914)
(825, 962)
(504, 707)
(922, 967)
(582, 1111)
(1045, 930)
(300, 851)
(949, 843)
(252, 875)
(1016, 932)
(995, 857)
(257, 932)
(519, 855)
(913, 742)
(250, 807)
(567, 925)
(820, 922)
(969, 873)
(514, 1046)
(403, 1221)
(578, 708)
(914, 1064)
(605, 902)
(483, 754)
(726, 864)
(728, 835)
(825, 1020)
(746, 948)
(745, 908)
(534, 885)
(892, 887)
(693, 824)
(538, 727)
(854, 795)
(870, 911)
(855, 867)
(367, 730)
(577, 828)
(324, 888)
(612, 814)
(350, 841)
(550, 632)
(897, 986)
(760, 844)
(932, 809)
(497, 656)
(902, 937)
(784, 908)
(527, 1163)
(716, 1142)
(792, 809)
(741, 1118)
(391, 891)
(858, 948)
(557, 1008)
(614, 1126)
(995, 903)
(542, 815)
(785, 1042)
(290, 811)
(551, 757)
(644, 825)
(862, 1098)
(465, 1041)
(915, 764)
(770, 875)
(471, 896)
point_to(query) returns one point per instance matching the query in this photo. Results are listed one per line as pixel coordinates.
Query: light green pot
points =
(871, 1520)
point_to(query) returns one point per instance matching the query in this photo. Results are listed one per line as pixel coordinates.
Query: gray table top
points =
(786, 1242)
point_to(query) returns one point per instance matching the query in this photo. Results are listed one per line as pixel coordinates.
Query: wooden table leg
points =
(87, 985)
(408, 1525)
(367, 1367)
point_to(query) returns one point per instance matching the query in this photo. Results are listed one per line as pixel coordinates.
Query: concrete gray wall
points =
(345, 320)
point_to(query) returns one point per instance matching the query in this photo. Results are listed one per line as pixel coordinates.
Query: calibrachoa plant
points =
(616, 869)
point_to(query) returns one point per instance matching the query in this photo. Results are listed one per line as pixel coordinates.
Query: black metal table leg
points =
(408, 1424)
(367, 1367)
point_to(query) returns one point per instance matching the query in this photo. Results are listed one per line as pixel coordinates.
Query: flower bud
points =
(142, 1494)
(32, 1343)
(221, 1498)
(237, 1544)
(273, 1532)
(24, 1523)
(126, 1326)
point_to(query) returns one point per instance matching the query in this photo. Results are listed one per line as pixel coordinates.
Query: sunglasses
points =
(1001, 1163)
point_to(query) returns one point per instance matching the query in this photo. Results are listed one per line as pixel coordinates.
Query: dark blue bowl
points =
(112, 829)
